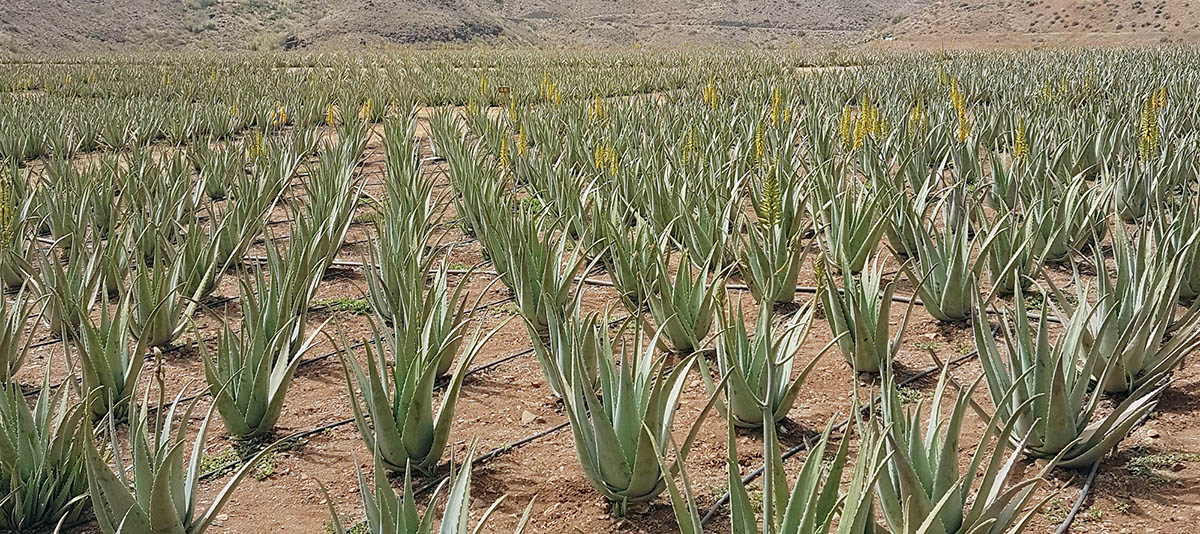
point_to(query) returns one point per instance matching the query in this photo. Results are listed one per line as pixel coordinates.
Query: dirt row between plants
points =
(511, 401)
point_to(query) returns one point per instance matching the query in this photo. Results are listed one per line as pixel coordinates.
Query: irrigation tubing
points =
(716, 507)
(1083, 493)
(1087, 487)
(479, 460)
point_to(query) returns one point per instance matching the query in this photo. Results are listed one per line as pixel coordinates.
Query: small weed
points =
(1145, 463)
(1122, 507)
(963, 347)
(509, 308)
(358, 306)
(265, 467)
(1092, 515)
(368, 217)
(219, 463)
(1056, 510)
(360, 527)
(532, 204)
(910, 395)
(926, 345)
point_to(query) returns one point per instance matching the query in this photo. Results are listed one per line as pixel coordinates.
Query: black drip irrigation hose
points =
(168, 350)
(478, 460)
(261, 260)
(1083, 493)
(1087, 487)
(716, 507)
(326, 356)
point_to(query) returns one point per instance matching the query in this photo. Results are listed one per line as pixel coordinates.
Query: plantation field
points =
(951, 293)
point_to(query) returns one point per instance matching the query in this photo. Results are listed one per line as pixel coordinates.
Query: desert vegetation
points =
(610, 291)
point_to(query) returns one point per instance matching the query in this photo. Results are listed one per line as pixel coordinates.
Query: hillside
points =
(86, 25)
(98, 25)
(1020, 23)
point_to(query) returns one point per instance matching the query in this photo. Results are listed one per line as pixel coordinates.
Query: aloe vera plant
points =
(15, 226)
(393, 408)
(15, 319)
(251, 371)
(109, 367)
(536, 261)
(859, 316)
(1146, 335)
(1045, 386)
(269, 305)
(685, 306)
(759, 368)
(1009, 251)
(218, 167)
(244, 215)
(65, 205)
(945, 272)
(159, 489)
(616, 429)
(70, 287)
(439, 315)
(813, 505)
(851, 216)
(569, 340)
(333, 188)
(923, 491)
(116, 262)
(41, 461)
(1183, 237)
(160, 310)
(1067, 217)
(907, 213)
(388, 513)
(400, 255)
(771, 253)
(198, 254)
(629, 257)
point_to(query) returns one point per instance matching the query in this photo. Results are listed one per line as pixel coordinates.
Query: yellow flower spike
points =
(7, 219)
(916, 119)
(522, 142)
(772, 205)
(233, 111)
(710, 93)
(612, 160)
(365, 111)
(844, 126)
(862, 126)
(330, 116)
(760, 146)
(504, 158)
(256, 146)
(690, 144)
(959, 101)
(1021, 143)
(1151, 134)
(483, 82)
(776, 104)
